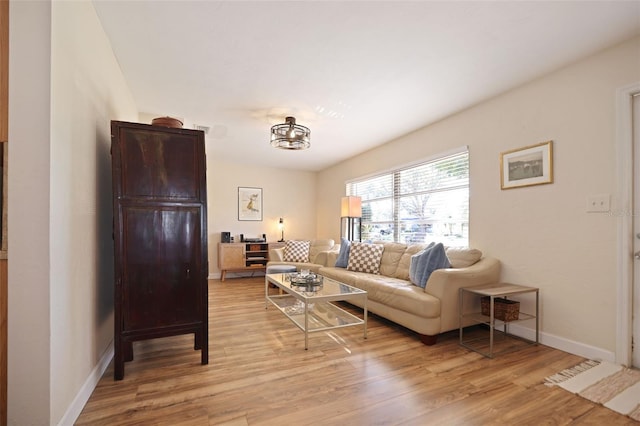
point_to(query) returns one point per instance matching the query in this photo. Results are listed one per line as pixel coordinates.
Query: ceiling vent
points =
(205, 129)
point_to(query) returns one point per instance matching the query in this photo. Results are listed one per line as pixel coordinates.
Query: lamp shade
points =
(351, 206)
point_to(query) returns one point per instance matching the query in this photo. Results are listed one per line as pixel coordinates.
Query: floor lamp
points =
(351, 210)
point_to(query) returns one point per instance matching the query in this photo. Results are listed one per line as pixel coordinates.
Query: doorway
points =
(635, 312)
(4, 138)
(628, 219)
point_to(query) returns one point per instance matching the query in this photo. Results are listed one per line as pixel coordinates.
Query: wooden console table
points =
(244, 257)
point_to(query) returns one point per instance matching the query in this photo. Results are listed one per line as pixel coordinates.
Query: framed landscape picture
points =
(249, 203)
(531, 165)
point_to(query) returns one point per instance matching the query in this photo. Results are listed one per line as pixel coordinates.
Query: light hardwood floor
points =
(260, 374)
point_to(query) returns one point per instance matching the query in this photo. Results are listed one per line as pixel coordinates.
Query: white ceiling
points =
(357, 73)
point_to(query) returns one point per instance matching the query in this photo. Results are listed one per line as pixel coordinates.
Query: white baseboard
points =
(74, 410)
(563, 344)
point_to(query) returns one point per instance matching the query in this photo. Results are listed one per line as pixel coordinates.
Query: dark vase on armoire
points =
(160, 236)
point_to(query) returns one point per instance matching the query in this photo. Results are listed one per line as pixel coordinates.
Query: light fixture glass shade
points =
(351, 206)
(290, 135)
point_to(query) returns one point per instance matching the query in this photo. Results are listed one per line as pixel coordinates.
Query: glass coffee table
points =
(309, 306)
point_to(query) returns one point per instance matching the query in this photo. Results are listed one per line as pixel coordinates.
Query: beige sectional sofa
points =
(429, 311)
(318, 255)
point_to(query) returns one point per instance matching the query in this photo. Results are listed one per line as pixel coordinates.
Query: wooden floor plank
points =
(260, 374)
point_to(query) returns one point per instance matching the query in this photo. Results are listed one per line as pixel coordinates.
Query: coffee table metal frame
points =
(313, 311)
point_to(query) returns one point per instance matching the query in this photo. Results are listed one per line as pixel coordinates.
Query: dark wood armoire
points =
(160, 236)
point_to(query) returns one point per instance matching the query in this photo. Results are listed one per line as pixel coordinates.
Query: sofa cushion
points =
(391, 257)
(427, 261)
(365, 257)
(318, 246)
(296, 251)
(339, 274)
(463, 257)
(402, 271)
(343, 257)
(399, 294)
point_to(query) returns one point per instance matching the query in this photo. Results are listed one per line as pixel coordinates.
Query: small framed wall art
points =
(531, 165)
(249, 203)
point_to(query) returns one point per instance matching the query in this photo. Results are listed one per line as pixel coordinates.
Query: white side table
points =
(493, 291)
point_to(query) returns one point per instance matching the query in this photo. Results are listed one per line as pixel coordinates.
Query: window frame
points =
(397, 223)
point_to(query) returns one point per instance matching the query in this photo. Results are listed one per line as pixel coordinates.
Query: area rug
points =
(613, 386)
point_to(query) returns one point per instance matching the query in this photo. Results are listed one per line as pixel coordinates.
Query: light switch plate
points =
(598, 203)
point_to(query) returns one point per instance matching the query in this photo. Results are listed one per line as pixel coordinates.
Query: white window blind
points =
(417, 204)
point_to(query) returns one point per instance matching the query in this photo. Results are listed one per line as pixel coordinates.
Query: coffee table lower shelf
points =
(319, 316)
(314, 311)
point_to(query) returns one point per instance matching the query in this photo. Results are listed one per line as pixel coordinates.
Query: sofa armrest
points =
(276, 254)
(446, 283)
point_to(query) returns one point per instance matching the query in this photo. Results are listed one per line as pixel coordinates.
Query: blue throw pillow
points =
(415, 260)
(343, 256)
(424, 263)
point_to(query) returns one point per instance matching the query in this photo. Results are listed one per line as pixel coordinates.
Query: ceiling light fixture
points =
(290, 135)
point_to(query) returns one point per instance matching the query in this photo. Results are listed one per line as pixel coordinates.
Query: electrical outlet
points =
(598, 203)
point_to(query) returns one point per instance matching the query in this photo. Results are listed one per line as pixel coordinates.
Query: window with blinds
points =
(418, 204)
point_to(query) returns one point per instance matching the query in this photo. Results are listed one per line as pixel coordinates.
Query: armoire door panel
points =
(159, 165)
(162, 246)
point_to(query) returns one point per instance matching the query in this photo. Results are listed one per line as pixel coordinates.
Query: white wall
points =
(542, 234)
(61, 252)
(288, 194)
(28, 214)
(88, 90)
